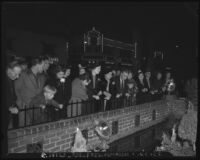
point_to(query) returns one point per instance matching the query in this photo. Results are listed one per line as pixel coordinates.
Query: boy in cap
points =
(45, 100)
(142, 89)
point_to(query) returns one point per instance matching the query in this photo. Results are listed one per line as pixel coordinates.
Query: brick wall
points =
(58, 136)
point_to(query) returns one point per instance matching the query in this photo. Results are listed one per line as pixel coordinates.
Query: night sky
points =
(165, 24)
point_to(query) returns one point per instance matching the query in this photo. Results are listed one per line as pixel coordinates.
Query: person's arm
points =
(18, 85)
(54, 103)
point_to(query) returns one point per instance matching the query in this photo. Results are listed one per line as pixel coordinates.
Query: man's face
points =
(40, 67)
(46, 65)
(24, 66)
(141, 76)
(14, 73)
(109, 75)
(130, 85)
(130, 75)
(48, 95)
(148, 74)
(124, 75)
(98, 69)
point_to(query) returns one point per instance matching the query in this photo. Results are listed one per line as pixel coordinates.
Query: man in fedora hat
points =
(94, 91)
(149, 84)
(108, 88)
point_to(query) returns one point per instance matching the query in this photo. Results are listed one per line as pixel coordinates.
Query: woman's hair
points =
(37, 60)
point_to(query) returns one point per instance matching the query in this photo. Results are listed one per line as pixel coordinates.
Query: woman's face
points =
(109, 75)
(68, 72)
(141, 76)
(48, 95)
(60, 74)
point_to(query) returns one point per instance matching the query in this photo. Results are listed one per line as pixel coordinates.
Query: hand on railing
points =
(96, 97)
(118, 95)
(100, 93)
(144, 90)
(127, 95)
(42, 106)
(13, 110)
(107, 95)
(60, 106)
(153, 92)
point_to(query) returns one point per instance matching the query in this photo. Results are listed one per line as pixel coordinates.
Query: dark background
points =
(169, 26)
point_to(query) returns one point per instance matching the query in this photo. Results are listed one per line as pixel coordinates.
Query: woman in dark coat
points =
(108, 88)
(62, 83)
(142, 89)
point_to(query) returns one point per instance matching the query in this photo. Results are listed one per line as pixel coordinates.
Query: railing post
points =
(71, 108)
(25, 117)
(86, 107)
(33, 113)
(76, 108)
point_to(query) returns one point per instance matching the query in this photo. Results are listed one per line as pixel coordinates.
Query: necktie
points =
(94, 81)
(107, 88)
(148, 83)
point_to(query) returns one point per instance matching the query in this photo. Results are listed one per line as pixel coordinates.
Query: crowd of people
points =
(41, 90)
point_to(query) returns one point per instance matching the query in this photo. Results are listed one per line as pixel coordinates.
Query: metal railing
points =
(34, 115)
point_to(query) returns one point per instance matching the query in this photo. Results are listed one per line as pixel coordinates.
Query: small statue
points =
(173, 137)
(188, 126)
(79, 142)
(103, 133)
(165, 139)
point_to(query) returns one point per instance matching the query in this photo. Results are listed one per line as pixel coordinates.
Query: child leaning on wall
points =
(45, 108)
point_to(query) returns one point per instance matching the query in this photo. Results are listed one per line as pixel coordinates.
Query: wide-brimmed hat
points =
(106, 70)
(82, 66)
(147, 70)
(168, 69)
(94, 65)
